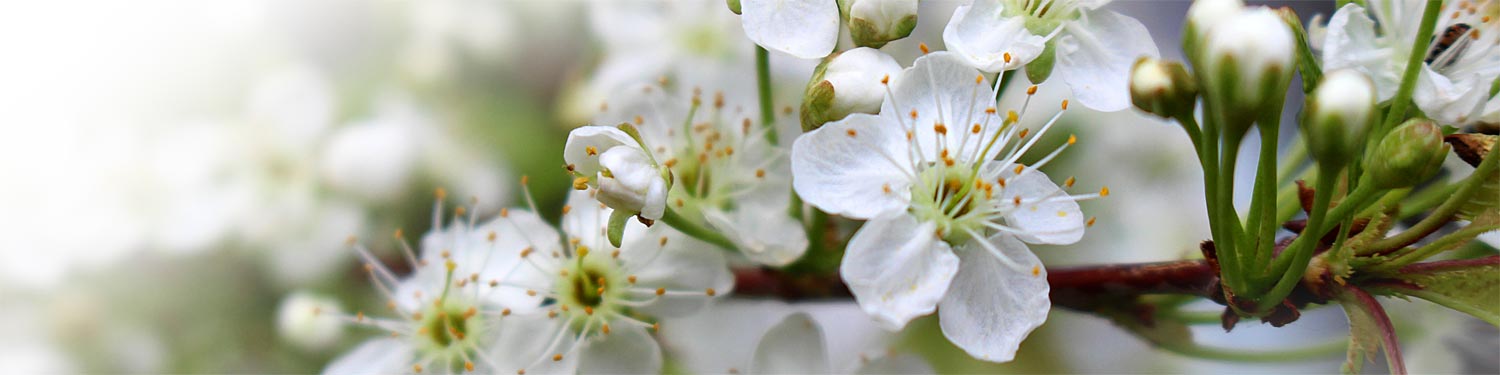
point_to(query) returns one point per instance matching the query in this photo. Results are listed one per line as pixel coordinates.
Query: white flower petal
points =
(898, 269)
(846, 166)
(849, 332)
(523, 341)
(705, 345)
(764, 233)
(942, 89)
(991, 308)
(1454, 101)
(794, 346)
(595, 137)
(626, 350)
(678, 263)
(1053, 222)
(981, 34)
(378, 356)
(803, 28)
(1350, 41)
(1094, 57)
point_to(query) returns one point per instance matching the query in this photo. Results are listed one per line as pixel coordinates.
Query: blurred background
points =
(172, 170)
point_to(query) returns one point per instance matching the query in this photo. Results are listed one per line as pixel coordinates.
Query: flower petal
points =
(846, 167)
(1350, 41)
(804, 28)
(627, 350)
(664, 258)
(794, 346)
(898, 269)
(764, 233)
(943, 90)
(703, 344)
(593, 137)
(1053, 222)
(378, 356)
(990, 307)
(982, 35)
(1094, 57)
(1450, 100)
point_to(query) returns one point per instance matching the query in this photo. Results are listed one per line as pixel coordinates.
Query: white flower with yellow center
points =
(1459, 65)
(1093, 48)
(448, 311)
(936, 175)
(726, 172)
(601, 302)
(627, 177)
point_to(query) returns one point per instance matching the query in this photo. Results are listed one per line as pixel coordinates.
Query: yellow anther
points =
(886, 79)
(505, 312)
(913, 114)
(605, 328)
(711, 292)
(1031, 90)
(940, 128)
(583, 251)
(1000, 181)
(851, 133)
(556, 357)
(1007, 57)
(638, 119)
(990, 110)
(398, 234)
(527, 251)
(566, 209)
(359, 316)
(1024, 132)
(1104, 191)
(1011, 117)
(1069, 182)
(661, 291)
(440, 193)
(460, 210)
(1019, 168)
(1017, 200)
(591, 150)
(531, 293)
(468, 366)
(978, 78)
(1065, 104)
(886, 188)
(923, 47)
(588, 310)
(1036, 270)
(614, 254)
(450, 265)
(1090, 222)
(1062, 214)
(630, 279)
(761, 173)
(1072, 139)
(663, 241)
(416, 368)
(975, 129)
(581, 183)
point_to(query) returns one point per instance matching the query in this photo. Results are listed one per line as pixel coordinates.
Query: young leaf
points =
(1468, 285)
(1369, 330)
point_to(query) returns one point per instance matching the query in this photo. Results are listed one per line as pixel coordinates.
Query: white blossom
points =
(773, 337)
(807, 29)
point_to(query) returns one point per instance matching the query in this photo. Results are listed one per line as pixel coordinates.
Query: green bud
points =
(852, 81)
(1247, 63)
(873, 23)
(1337, 116)
(1039, 69)
(734, 6)
(1163, 88)
(1408, 155)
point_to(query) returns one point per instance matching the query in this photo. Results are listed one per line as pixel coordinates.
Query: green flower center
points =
(954, 198)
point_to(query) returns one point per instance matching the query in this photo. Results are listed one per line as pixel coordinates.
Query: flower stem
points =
(1262, 230)
(1328, 349)
(1426, 251)
(1293, 262)
(693, 229)
(1413, 67)
(1445, 212)
(763, 84)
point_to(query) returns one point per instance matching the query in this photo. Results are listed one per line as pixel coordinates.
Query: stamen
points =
(923, 47)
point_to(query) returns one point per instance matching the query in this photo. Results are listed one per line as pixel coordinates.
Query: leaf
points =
(1468, 285)
(616, 231)
(1370, 330)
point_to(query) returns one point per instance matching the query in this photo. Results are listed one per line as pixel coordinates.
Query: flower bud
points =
(734, 6)
(846, 83)
(309, 321)
(1201, 17)
(873, 23)
(615, 161)
(1163, 88)
(1248, 62)
(1408, 155)
(1338, 114)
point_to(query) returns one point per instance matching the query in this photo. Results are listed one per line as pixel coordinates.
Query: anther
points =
(1007, 57)
(761, 173)
(913, 114)
(978, 78)
(886, 188)
(446, 254)
(630, 279)
(1024, 132)
(460, 210)
(581, 183)
(940, 129)
(359, 316)
(1072, 139)
(416, 368)
(468, 366)
(556, 357)
(491, 236)
(531, 293)
(1020, 168)
(661, 291)
(711, 292)
(1011, 117)
(583, 251)
(505, 312)
(1017, 200)
(1069, 182)
(975, 129)
(1104, 191)
(566, 209)
(591, 150)
(398, 234)
(923, 47)
(1090, 222)
(440, 193)
(588, 310)
(450, 265)
(1031, 90)
(615, 254)
(886, 79)
(663, 241)
(1065, 104)
(1036, 270)
(527, 251)
(605, 328)
(851, 133)
(990, 110)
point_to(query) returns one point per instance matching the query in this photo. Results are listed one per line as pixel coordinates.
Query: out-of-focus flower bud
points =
(849, 82)
(309, 321)
(1040, 68)
(1408, 155)
(1247, 64)
(1338, 114)
(734, 6)
(1201, 17)
(873, 23)
(1163, 88)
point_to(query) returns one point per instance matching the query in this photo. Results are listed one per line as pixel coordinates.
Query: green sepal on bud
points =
(1408, 155)
(1163, 88)
(616, 229)
(734, 6)
(1338, 115)
(873, 23)
(1040, 68)
(1247, 63)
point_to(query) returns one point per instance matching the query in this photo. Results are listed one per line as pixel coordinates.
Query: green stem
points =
(763, 84)
(1441, 244)
(1193, 317)
(1413, 67)
(1230, 217)
(1263, 203)
(1195, 350)
(693, 229)
(1426, 200)
(1293, 261)
(1348, 206)
(1445, 212)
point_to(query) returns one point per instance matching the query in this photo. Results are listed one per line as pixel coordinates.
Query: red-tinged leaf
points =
(1370, 331)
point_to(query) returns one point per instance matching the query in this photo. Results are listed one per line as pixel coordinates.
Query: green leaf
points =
(1468, 285)
(616, 232)
(1370, 330)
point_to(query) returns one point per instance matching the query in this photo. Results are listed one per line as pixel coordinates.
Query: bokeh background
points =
(171, 170)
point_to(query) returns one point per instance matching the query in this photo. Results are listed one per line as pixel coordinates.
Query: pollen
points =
(851, 133)
(978, 79)
(1020, 168)
(1036, 270)
(1104, 191)
(1072, 139)
(1031, 90)
(1024, 132)
(923, 47)
(886, 79)
(557, 358)
(1007, 57)
(581, 183)
(913, 114)
(975, 129)
(661, 291)
(940, 128)
(1065, 104)
(711, 292)
(761, 173)
(1069, 182)
(1090, 222)
(886, 188)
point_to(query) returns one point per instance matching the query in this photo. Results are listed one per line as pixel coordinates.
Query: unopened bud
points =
(1408, 155)
(873, 23)
(1248, 63)
(1338, 114)
(1163, 88)
(1202, 17)
(734, 6)
(850, 82)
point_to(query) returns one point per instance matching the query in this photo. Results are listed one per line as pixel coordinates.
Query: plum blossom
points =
(949, 210)
(773, 337)
(1093, 48)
